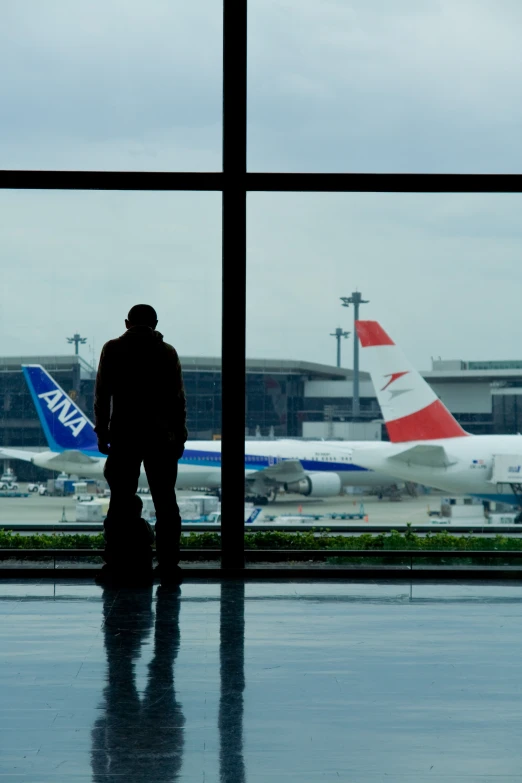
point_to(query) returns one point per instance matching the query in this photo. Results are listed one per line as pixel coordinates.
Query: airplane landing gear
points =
(262, 500)
(257, 500)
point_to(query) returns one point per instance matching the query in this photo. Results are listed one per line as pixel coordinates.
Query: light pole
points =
(338, 334)
(76, 339)
(355, 299)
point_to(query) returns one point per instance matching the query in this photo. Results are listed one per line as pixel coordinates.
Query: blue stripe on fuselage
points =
(212, 459)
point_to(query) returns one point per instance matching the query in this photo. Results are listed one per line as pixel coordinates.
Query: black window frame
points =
(234, 181)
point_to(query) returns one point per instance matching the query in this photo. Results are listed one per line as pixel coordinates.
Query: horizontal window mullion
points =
(256, 181)
(111, 180)
(397, 182)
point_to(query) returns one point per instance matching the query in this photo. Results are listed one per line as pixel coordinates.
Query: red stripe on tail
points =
(371, 334)
(430, 423)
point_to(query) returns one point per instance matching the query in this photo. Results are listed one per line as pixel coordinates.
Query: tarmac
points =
(60, 511)
(56, 509)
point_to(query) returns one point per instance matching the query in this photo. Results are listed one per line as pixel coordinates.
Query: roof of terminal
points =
(474, 371)
(57, 362)
(195, 364)
(281, 366)
(459, 370)
(488, 375)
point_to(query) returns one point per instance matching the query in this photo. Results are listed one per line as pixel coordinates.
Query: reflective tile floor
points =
(285, 681)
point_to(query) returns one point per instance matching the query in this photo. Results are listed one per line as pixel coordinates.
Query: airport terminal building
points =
(284, 398)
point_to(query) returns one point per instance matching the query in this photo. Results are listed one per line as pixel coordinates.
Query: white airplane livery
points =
(314, 468)
(428, 446)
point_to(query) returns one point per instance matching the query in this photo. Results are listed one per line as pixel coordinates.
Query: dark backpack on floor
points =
(129, 547)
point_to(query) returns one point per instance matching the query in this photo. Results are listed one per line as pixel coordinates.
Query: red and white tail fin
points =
(410, 407)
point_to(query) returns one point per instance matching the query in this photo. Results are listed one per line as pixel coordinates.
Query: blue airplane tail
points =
(254, 515)
(66, 427)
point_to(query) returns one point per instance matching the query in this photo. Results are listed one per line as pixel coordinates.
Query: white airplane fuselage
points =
(470, 473)
(200, 465)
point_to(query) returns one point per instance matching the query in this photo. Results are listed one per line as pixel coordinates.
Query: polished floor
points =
(261, 682)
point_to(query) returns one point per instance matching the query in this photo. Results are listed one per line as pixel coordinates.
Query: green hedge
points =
(277, 540)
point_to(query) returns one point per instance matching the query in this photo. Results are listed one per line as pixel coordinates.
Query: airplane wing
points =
(25, 456)
(427, 455)
(285, 471)
(72, 457)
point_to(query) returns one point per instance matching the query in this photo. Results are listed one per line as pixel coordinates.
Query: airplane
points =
(310, 468)
(427, 444)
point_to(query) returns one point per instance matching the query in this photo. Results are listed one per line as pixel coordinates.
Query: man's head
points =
(141, 315)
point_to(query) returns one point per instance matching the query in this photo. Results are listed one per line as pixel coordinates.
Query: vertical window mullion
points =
(233, 282)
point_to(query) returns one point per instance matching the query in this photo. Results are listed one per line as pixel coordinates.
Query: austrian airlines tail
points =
(411, 409)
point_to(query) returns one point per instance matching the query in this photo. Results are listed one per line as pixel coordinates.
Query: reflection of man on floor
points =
(139, 740)
(140, 414)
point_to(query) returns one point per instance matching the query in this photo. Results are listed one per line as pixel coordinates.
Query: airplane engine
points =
(317, 485)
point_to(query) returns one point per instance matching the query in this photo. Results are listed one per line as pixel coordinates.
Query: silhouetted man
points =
(140, 415)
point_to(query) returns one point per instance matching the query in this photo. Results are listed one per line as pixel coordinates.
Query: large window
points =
(111, 85)
(438, 271)
(410, 86)
(118, 97)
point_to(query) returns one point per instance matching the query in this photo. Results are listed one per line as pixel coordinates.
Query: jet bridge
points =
(507, 469)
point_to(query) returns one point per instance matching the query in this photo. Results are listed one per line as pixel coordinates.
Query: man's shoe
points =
(169, 576)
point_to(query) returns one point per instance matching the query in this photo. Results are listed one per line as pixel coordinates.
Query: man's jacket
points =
(139, 389)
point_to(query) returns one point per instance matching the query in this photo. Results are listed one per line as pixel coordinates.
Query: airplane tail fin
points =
(66, 427)
(254, 515)
(410, 407)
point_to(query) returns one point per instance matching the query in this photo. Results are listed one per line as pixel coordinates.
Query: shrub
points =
(274, 539)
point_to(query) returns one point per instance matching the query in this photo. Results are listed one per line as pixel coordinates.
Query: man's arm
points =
(177, 401)
(181, 401)
(102, 402)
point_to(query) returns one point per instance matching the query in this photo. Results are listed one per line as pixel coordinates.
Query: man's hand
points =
(103, 446)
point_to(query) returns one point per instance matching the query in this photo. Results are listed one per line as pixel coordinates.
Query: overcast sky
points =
(361, 85)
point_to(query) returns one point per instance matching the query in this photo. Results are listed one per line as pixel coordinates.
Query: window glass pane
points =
(440, 272)
(414, 86)
(76, 263)
(111, 85)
